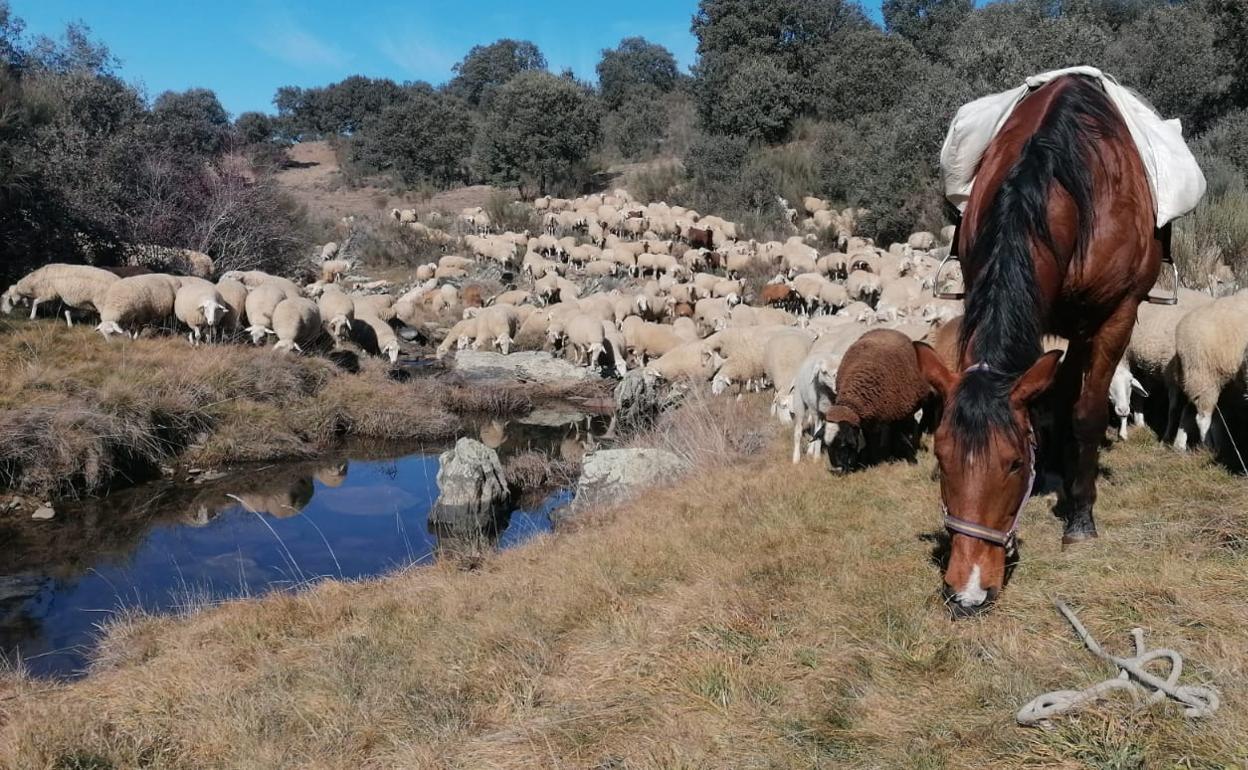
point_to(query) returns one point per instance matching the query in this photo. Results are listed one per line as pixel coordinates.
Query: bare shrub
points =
(706, 430)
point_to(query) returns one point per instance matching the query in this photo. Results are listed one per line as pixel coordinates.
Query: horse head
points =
(986, 454)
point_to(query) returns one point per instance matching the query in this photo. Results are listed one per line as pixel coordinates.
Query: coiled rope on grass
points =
(1132, 676)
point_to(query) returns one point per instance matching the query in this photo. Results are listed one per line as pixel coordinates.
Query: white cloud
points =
(296, 46)
(417, 57)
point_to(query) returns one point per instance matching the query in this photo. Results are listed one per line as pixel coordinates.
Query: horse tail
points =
(1005, 297)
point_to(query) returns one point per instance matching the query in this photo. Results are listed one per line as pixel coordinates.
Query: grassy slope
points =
(757, 616)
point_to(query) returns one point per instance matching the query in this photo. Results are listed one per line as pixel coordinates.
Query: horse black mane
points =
(1002, 324)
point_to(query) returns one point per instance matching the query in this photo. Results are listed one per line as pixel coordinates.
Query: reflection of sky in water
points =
(371, 521)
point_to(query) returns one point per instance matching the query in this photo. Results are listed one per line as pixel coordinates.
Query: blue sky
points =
(244, 50)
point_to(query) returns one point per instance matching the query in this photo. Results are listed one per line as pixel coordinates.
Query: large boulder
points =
(472, 489)
(610, 475)
(528, 366)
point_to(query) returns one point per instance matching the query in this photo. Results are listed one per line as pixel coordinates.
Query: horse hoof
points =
(1074, 538)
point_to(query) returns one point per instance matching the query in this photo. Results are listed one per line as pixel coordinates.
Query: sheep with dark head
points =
(879, 388)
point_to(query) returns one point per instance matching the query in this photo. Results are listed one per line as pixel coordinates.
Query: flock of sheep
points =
(614, 284)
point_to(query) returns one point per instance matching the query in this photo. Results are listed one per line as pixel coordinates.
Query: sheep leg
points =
(69, 319)
(34, 307)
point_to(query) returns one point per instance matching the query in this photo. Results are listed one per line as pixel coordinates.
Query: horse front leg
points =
(1088, 421)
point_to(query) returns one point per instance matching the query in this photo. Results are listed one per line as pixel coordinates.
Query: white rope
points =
(1132, 676)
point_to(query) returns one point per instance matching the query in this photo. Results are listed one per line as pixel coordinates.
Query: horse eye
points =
(1016, 466)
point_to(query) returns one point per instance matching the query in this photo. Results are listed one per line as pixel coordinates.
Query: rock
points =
(551, 418)
(610, 475)
(528, 365)
(44, 512)
(472, 488)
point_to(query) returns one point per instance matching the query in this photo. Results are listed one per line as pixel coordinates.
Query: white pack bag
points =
(1174, 176)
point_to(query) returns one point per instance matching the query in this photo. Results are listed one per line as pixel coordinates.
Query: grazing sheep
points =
(1121, 386)
(333, 270)
(78, 287)
(615, 347)
(898, 298)
(1151, 351)
(379, 306)
(689, 361)
(514, 297)
(197, 303)
(863, 286)
(497, 325)
(879, 388)
(687, 330)
(234, 294)
(328, 252)
(583, 335)
(712, 314)
(137, 301)
(460, 336)
(297, 323)
(1210, 343)
(375, 336)
(261, 302)
(783, 354)
(425, 272)
(649, 340)
(337, 311)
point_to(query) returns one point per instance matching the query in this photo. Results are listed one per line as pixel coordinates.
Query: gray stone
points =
(610, 475)
(526, 365)
(44, 512)
(551, 418)
(472, 488)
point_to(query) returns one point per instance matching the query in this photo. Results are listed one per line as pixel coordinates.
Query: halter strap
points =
(1007, 538)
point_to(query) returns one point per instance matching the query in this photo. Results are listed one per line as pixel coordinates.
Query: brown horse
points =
(1058, 237)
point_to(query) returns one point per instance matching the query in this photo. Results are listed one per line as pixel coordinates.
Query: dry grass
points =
(757, 616)
(78, 414)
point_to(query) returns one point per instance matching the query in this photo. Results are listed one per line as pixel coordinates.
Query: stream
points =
(170, 546)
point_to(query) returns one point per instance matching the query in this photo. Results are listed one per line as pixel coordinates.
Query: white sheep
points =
(337, 310)
(197, 303)
(460, 336)
(379, 306)
(375, 336)
(863, 286)
(136, 301)
(497, 325)
(234, 294)
(1121, 386)
(296, 322)
(784, 352)
(1151, 351)
(260, 304)
(333, 270)
(647, 340)
(1210, 343)
(688, 361)
(78, 287)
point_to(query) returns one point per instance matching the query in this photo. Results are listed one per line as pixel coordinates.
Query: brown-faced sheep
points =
(879, 388)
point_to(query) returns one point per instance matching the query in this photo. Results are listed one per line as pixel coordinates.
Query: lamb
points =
(375, 336)
(78, 287)
(497, 325)
(1210, 343)
(234, 294)
(878, 388)
(334, 269)
(337, 311)
(197, 303)
(260, 304)
(1121, 386)
(137, 301)
(296, 322)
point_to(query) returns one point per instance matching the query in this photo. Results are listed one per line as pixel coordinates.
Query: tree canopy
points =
(488, 67)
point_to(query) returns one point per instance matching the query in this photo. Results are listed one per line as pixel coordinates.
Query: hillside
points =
(315, 180)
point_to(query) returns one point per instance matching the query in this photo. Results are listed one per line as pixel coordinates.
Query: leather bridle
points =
(1007, 538)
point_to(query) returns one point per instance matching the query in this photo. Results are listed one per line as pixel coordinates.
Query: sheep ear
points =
(1138, 388)
(837, 413)
(1036, 380)
(934, 370)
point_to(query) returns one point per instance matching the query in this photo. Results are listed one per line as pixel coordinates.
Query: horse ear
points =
(934, 370)
(1037, 379)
